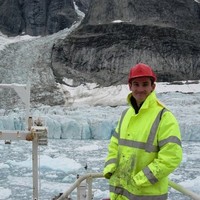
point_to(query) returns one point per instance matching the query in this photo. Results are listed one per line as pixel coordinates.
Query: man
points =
(146, 145)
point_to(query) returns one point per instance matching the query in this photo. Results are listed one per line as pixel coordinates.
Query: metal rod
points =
(89, 176)
(35, 167)
(13, 135)
(184, 190)
(89, 194)
(77, 183)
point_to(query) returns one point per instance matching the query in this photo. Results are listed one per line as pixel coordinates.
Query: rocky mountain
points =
(35, 17)
(113, 36)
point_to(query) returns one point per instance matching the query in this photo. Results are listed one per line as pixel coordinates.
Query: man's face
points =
(141, 87)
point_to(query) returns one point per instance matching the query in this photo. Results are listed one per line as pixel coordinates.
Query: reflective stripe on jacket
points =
(143, 151)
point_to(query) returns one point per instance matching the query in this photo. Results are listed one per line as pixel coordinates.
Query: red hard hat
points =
(141, 70)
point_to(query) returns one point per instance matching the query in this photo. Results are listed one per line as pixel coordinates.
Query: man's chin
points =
(140, 100)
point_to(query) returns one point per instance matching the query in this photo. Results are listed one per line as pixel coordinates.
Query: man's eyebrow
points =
(140, 82)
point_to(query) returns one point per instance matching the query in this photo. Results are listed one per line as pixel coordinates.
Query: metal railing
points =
(36, 134)
(85, 193)
(81, 185)
(184, 191)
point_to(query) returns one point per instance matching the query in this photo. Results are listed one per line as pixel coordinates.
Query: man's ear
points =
(129, 84)
(153, 86)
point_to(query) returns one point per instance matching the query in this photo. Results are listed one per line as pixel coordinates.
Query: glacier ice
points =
(98, 122)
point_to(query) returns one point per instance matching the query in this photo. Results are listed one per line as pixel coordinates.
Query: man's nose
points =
(140, 88)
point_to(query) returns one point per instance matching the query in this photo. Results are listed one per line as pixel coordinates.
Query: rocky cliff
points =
(36, 17)
(115, 35)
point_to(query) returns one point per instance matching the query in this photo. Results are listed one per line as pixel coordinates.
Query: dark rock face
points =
(164, 34)
(11, 19)
(36, 17)
(171, 13)
(83, 5)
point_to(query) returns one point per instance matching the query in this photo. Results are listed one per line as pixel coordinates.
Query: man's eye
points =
(135, 84)
(145, 84)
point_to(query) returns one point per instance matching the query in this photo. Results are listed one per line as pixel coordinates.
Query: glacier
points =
(84, 121)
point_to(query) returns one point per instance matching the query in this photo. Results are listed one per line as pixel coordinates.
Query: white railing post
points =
(81, 191)
(89, 194)
(35, 168)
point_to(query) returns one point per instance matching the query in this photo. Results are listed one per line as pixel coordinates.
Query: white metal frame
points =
(38, 133)
(83, 195)
(81, 185)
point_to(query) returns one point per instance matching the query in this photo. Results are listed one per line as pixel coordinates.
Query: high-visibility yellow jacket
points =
(143, 151)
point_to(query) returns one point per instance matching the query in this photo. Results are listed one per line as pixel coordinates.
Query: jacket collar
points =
(149, 101)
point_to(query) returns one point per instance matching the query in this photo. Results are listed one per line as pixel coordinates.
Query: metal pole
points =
(77, 183)
(184, 190)
(27, 102)
(89, 181)
(35, 167)
(81, 191)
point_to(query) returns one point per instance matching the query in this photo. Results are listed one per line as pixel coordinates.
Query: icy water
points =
(16, 171)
